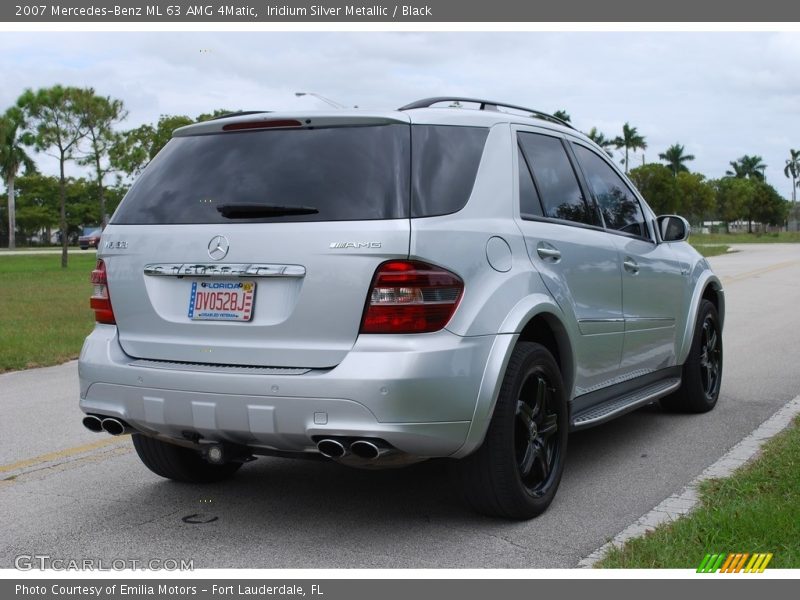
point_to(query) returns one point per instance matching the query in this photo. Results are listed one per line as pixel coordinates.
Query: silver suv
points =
(381, 288)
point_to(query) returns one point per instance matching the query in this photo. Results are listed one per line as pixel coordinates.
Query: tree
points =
(134, 149)
(658, 186)
(37, 204)
(675, 158)
(750, 167)
(732, 194)
(601, 140)
(792, 170)
(750, 199)
(100, 114)
(12, 157)
(696, 198)
(766, 206)
(563, 115)
(630, 140)
(56, 125)
(216, 114)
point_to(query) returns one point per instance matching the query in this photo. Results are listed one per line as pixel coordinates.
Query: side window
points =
(619, 206)
(555, 179)
(529, 204)
(444, 164)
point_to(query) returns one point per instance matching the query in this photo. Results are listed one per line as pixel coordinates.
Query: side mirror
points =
(673, 228)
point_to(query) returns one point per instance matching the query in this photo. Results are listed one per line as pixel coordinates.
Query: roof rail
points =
(485, 105)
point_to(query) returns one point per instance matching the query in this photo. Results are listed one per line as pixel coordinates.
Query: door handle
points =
(548, 252)
(631, 266)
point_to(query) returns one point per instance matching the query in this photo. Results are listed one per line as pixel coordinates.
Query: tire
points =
(702, 371)
(516, 471)
(179, 463)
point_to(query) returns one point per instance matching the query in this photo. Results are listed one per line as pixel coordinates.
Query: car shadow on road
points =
(285, 513)
(303, 491)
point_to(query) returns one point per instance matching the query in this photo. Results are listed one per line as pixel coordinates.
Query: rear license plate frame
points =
(218, 308)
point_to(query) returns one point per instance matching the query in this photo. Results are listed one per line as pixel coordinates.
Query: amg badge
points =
(355, 245)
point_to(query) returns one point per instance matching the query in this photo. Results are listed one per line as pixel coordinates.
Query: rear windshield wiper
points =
(254, 210)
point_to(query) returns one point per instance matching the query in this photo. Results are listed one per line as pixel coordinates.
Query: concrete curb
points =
(687, 499)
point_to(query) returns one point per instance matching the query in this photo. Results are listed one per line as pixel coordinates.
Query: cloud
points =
(720, 94)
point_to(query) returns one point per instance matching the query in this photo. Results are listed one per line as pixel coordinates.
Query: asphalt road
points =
(73, 494)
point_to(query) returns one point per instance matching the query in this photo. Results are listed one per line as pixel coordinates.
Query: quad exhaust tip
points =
(365, 449)
(93, 423)
(331, 448)
(216, 455)
(114, 426)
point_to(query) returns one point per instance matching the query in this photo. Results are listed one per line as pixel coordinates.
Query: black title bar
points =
(419, 11)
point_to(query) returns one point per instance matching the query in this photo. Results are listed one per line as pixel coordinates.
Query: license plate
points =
(222, 300)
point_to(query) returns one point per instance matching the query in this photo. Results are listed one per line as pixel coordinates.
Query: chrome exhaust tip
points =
(115, 426)
(331, 448)
(365, 449)
(93, 423)
(216, 454)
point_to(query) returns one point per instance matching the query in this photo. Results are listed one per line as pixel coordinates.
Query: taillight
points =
(100, 300)
(409, 296)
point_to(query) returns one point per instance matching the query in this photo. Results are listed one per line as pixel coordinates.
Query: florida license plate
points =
(222, 300)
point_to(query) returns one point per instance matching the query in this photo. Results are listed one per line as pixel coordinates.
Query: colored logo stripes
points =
(735, 563)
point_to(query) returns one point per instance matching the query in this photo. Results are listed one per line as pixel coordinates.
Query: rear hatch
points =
(254, 241)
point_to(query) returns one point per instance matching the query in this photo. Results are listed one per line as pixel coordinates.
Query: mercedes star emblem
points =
(218, 247)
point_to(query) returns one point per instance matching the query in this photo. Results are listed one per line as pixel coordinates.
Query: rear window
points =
(555, 179)
(345, 173)
(446, 160)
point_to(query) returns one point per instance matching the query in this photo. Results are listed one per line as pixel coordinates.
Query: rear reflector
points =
(100, 300)
(411, 297)
(277, 123)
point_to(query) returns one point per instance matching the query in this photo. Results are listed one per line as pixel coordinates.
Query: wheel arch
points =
(708, 288)
(535, 319)
(547, 329)
(713, 293)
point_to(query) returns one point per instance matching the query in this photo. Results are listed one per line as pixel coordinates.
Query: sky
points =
(721, 95)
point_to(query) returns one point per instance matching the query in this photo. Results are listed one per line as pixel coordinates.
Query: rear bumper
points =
(417, 392)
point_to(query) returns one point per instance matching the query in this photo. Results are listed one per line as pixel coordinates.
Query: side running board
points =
(610, 409)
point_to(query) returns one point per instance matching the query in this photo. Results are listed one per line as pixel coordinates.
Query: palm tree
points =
(675, 158)
(630, 140)
(792, 169)
(601, 140)
(750, 167)
(12, 157)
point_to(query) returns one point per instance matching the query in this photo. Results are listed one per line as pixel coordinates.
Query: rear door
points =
(257, 246)
(578, 262)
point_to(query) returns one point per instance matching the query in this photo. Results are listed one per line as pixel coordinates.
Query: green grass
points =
(44, 309)
(781, 237)
(713, 250)
(41, 249)
(755, 510)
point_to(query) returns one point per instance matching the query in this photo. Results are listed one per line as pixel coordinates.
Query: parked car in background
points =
(381, 288)
(90, 237)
